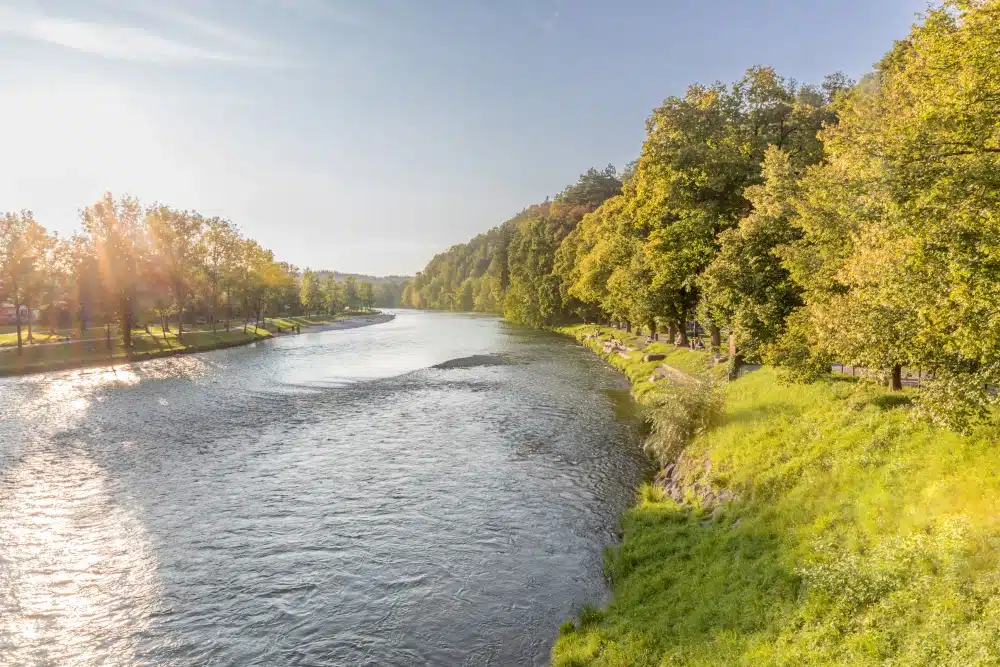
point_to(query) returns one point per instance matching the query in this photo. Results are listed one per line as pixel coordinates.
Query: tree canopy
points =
(849, 222)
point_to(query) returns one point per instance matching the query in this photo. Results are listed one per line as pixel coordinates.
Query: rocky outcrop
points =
(687, 480)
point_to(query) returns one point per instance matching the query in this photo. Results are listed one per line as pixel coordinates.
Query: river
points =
(324, 499)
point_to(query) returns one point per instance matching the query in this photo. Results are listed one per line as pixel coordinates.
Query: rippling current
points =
(435, 490)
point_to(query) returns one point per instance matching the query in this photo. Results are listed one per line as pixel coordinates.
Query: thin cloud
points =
(202, 26)
(323, 9)
(130, 42)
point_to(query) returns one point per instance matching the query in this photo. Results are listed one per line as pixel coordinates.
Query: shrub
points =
(681, 411)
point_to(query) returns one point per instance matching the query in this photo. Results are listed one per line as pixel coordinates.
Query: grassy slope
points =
(861, 537)
(634, 368)
(93, 351)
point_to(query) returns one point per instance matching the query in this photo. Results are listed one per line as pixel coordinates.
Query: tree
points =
(177, 246)
(367, 295)
(17, 262)
(746, 287)
(351, 297)
(898, 225)
(55, 273)
(310, 292)
(333, 295)
(117, 234)
(220, 242)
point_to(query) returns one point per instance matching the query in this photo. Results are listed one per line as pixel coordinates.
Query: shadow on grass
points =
(891, 401)
(756, 414)
(682, 580)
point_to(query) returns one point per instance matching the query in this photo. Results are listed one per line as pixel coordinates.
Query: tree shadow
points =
(682, 578)
(756, 414)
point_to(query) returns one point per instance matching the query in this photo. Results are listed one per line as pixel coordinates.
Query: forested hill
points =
(636, 247)
(512, 263)
(848, 222)
(364, 278)
(388, 290)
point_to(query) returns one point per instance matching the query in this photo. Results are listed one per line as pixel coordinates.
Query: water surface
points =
(324, 499)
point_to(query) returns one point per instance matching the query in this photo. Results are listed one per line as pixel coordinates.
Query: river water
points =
(323, 499)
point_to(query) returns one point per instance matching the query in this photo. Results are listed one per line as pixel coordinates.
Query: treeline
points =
(849, 222)
(131, 265)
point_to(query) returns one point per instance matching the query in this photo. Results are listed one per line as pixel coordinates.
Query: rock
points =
(654, 357)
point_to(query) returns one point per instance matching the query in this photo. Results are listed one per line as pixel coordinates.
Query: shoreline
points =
(741, 550)
(251, 337)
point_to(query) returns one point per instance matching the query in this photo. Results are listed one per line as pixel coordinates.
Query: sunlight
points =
(72, 555)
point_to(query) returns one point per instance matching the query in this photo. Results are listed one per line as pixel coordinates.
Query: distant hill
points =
(362, 278)
(388, 289)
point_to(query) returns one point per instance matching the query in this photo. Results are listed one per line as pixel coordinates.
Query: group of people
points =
(696, 344)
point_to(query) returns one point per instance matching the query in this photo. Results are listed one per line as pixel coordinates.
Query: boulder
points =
(654, 357)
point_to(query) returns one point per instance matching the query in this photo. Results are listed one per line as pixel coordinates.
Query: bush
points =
(681, 411)
(792, 354)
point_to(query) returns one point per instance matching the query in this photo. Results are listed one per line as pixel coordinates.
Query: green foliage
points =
(745, 287)
(842, 222)
(857, 536)
(682, 411)
(898, 227)
(513, 268)
(794, 355)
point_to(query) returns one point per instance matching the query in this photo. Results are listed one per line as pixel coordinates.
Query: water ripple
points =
(330, 499)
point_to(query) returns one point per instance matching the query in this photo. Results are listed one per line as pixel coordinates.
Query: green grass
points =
(42, 334)
(640, 372)
(859, 536)
(94, 351)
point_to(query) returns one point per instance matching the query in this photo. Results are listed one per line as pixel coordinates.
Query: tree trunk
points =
(31, 336)
(672, 334)
(682, 334)
(126, 324)
(107, 336)
(896, 380)
(715, 338)
(215, 300)
(628, 326)
(652, 329)
(17, 322)
(735, 360)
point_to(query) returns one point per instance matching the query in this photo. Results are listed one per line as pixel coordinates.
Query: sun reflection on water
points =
(74, 562)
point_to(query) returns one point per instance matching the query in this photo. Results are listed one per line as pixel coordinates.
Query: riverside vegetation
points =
(847, 222)
(795, 524)
(116, 289)
(799, 518)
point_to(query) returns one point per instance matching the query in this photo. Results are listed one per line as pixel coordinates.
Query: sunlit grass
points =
(640, 372)
(146, 345)
(860, 536)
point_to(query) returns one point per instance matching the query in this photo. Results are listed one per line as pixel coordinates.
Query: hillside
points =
(849, 533)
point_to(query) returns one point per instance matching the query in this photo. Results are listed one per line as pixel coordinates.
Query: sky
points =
(367, 136)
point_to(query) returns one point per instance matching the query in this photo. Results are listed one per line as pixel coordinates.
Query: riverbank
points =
(94, 352)
(807, 525)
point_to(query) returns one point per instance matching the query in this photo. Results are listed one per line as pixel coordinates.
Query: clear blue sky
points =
(366, 136)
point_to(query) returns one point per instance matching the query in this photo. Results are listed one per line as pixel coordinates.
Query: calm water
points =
(325, 499)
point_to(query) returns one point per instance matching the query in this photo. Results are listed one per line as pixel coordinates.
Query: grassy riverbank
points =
(853, 534)
(93, 349)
